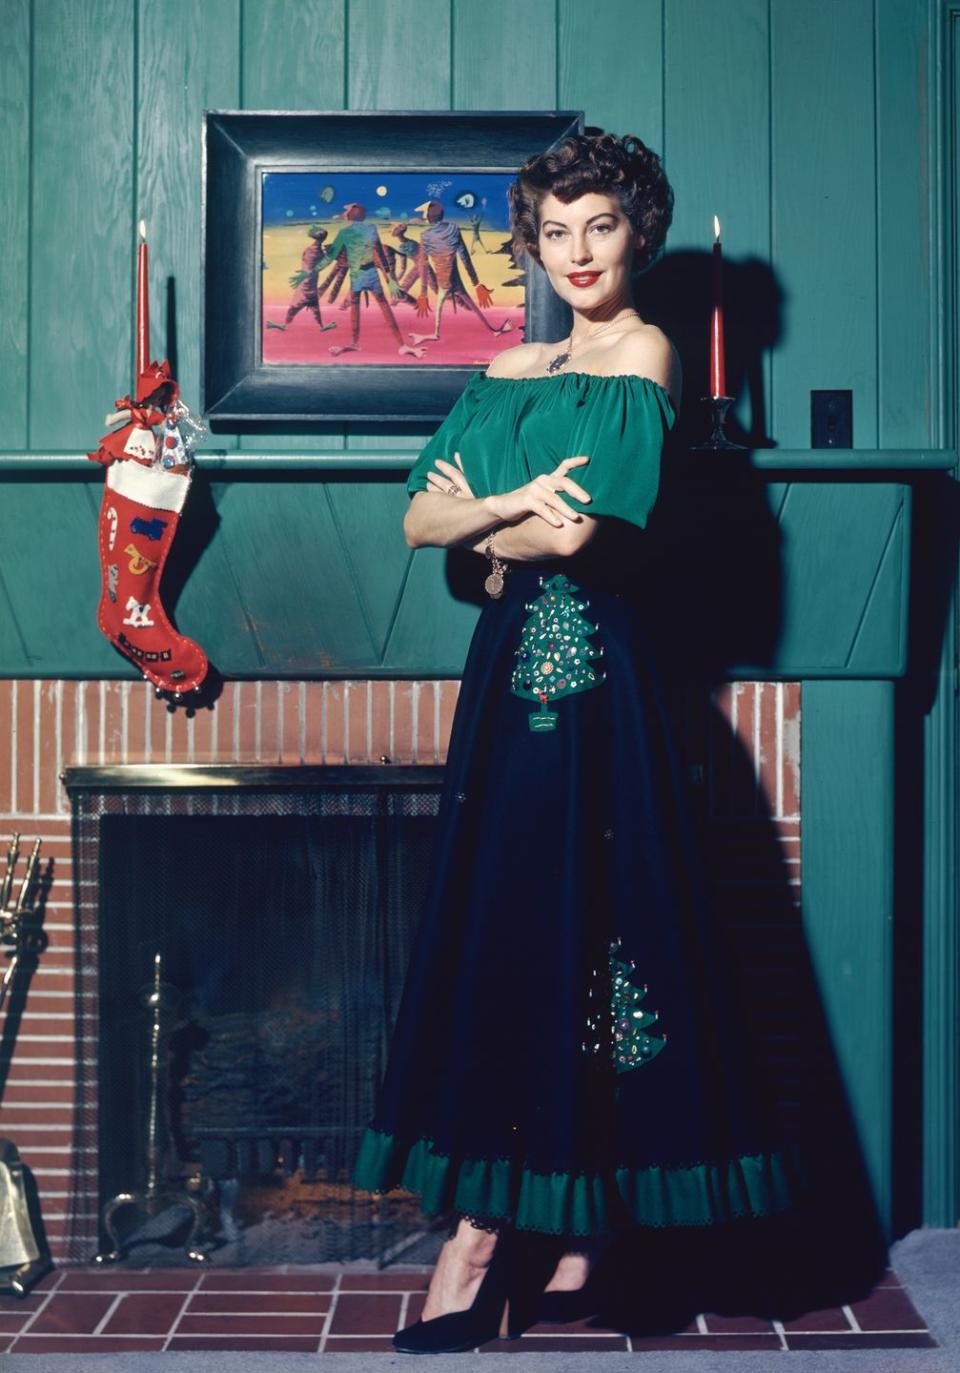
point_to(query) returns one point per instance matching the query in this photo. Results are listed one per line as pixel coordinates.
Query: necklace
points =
(563, 358)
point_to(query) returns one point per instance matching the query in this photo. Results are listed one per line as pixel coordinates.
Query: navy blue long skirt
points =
(566, 1054)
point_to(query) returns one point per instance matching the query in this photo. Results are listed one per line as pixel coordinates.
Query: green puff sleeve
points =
(621, 423)
(445, 441)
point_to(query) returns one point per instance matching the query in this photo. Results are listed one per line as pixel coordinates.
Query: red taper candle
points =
(143, 305)
(718, 371)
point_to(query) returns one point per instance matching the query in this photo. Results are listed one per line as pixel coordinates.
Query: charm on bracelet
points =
(493, 584)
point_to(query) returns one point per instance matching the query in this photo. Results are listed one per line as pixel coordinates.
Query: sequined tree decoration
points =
(555, 653)
(630, 1044)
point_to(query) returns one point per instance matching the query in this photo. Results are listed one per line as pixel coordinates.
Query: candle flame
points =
(142, 226)
(716, 227)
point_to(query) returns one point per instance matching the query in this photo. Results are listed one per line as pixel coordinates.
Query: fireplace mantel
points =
(390, 459)
(293, 565)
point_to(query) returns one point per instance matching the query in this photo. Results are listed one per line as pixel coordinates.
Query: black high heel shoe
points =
(563, 1307)
(456, 1331)
(515, 1277)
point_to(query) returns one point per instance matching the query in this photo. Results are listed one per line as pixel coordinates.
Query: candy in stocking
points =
(138, 521)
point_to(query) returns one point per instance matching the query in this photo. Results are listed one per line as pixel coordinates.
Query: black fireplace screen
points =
(282, 923)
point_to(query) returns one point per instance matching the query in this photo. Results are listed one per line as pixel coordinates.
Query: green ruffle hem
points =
(577, 1203)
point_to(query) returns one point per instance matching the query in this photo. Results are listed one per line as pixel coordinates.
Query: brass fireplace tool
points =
(22, 1263)
(12, 916)
(158, 997)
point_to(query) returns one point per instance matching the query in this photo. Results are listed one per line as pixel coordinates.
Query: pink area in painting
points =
(464, 340)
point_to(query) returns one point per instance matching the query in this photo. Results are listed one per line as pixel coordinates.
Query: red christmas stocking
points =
(138, 520)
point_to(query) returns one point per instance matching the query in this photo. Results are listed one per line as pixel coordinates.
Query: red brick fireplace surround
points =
(50, 725)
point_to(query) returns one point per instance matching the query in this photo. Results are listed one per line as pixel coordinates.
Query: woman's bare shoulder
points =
(650, 353)
(519, 361)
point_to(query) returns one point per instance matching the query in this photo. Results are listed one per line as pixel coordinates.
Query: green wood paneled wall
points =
(800, 124)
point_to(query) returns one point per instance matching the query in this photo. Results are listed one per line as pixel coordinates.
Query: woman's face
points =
(587, 249)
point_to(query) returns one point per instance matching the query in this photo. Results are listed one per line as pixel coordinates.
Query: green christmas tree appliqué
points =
(555, 654)
(630, 1043)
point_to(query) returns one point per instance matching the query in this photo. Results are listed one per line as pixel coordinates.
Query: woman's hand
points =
(539, 497)
(450, 473)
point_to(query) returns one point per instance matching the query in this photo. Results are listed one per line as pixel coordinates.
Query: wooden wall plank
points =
(423, 631)
(369, 515)
(610, 65)
(717, 154)
(940, 916)
(847, 838)
(213, 601)
(907, 316)
(14, 220)
(882, 635)
(824, 238)
(848, 537)
(399, 56)
(504, 55)
(293, 56)
(188, 62)
(82, 248)
(273, 547)
(49, 626)
(294, 62)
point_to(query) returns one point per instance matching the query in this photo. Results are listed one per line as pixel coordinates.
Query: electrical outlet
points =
(831, 419)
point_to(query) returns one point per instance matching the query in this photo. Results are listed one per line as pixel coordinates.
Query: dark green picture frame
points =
(238, 146)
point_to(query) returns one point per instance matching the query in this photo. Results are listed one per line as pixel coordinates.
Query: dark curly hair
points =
(594, 161)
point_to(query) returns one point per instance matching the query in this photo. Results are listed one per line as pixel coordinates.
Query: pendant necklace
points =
(563, 358)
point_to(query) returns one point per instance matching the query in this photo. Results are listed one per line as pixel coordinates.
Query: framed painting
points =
(357, 265)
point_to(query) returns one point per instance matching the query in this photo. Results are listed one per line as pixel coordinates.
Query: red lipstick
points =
(582, 278)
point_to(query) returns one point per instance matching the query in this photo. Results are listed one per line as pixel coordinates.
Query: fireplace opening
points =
(250, 952)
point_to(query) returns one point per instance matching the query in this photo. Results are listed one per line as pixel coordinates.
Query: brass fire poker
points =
(13, 853)
(11, 917)
(21, 1262)
(158, 997)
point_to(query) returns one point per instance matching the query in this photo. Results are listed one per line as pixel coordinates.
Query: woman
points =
(563, 1067)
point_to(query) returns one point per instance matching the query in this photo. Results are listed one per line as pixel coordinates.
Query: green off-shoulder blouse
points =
(508, 430)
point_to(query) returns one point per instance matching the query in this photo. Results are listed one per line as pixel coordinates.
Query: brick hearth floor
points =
(326, 1309)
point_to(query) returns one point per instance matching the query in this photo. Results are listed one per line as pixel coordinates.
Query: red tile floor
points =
(326, 1309)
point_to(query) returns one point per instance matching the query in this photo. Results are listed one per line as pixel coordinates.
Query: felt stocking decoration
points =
(138, 520)
(143, 496)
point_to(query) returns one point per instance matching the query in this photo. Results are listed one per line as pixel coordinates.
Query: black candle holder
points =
(718, 439)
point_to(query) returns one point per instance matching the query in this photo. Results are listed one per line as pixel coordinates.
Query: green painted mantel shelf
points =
(295, 565)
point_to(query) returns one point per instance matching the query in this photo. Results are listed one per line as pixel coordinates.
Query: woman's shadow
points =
(717, 569)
